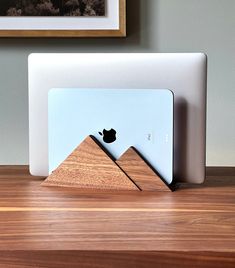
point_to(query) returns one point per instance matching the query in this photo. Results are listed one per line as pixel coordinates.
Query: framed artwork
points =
(62, 18)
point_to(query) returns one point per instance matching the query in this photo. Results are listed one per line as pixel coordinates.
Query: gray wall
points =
(153, 26)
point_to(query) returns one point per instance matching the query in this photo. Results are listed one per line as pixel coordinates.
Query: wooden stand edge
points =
(141, 172)
(91, 166)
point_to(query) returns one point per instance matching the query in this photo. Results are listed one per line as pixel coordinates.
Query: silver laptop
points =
(184, 73)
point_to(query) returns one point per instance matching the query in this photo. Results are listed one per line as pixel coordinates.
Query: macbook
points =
(184, 73)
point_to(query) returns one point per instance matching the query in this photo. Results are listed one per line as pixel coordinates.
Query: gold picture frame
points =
(73, 33)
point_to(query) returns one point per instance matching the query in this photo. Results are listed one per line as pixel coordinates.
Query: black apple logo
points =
(109, 136)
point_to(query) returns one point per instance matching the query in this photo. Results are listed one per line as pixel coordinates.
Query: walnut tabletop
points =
(66, 227)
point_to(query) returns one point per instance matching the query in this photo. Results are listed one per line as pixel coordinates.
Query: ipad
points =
(184, 73)
(118, 119)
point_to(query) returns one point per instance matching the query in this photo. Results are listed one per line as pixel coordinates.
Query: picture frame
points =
(113, 24)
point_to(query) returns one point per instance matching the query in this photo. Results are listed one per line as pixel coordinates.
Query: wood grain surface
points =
(89, 166)
(66, 227)
(140, 172)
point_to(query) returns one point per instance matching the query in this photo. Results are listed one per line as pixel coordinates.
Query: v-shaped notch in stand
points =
(89, 166)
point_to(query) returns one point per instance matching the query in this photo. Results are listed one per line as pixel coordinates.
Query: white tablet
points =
(118, 118)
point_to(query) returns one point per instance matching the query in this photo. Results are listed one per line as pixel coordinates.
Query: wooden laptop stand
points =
(91, 166)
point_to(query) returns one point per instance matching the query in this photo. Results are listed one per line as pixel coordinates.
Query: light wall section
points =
(153, 26)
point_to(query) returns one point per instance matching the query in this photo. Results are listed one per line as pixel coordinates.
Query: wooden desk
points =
(56, 227)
